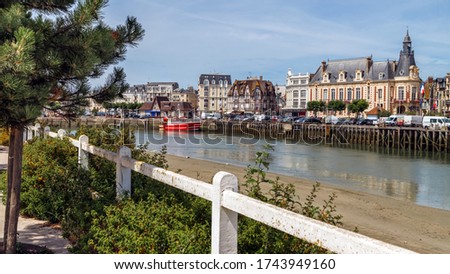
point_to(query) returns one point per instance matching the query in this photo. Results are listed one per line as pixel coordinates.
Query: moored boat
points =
(180, 124)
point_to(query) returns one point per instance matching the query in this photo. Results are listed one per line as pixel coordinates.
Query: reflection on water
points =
(412, 176)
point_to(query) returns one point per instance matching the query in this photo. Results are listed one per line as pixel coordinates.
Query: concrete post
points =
(82, 154)
(46, 131)
(123, 174)
(224, 221)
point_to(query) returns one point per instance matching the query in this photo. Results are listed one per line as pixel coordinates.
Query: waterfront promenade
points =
(32, 231)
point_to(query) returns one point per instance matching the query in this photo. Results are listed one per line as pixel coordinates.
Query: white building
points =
(147, 92)
(296, 93)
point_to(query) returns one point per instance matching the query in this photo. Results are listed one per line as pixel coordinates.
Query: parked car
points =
(367, 122)
(312, 120)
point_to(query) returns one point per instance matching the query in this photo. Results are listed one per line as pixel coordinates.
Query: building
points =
(153, 108)
(446, 96)
(253, 95)
(212, 92)
(154, 89)
(390, 85)
(147, 92)
(186, 95)
(296, 93)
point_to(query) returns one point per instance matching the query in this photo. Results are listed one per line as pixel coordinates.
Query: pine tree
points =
(49, 53)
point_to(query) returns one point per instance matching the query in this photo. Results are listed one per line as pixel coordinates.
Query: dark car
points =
(367, 122)
(312, 120)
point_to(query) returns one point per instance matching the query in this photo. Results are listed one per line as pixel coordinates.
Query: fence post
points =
(82, 154)
(224, 221)
(61, 133)
(46, 131)
(123, 174)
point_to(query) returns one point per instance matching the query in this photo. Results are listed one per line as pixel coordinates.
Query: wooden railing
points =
(227, 203)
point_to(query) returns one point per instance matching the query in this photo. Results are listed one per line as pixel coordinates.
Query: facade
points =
(135, 94)
(389, 85)
(212, 92)
(148, 92)
(188, 96)
(446, 98)
(253, 95)
(296, 93)
(154, 89)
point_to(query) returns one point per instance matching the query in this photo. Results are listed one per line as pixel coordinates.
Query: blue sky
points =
(244, 38)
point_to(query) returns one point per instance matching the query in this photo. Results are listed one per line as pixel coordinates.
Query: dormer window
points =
(342, 76)
(381, 76)
(359, 75)
(326, 78)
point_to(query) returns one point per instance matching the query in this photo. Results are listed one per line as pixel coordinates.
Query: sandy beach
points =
(418, 228)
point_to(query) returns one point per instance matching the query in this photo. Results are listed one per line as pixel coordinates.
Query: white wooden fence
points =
(227, 203)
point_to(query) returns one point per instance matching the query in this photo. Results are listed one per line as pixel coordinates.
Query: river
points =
(419, 177)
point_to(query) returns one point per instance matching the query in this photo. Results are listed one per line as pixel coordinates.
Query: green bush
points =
(153, 226)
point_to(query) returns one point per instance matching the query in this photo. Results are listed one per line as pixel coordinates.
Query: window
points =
(349, 94)
(295, 94)
(213, 82)
(414, 94)
(206, 82)
(303, 82)
(380, 93)
(325, 94)
(303, 93)
(342, 76)
(341, 94)
(220, 83)
(295, 82)
(225, 83)
(368, 92)
(381, 76)
(358, 93)
(333, 94)
(401, 93)
(303, 103)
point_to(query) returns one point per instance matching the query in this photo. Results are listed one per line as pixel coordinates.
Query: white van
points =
(435, 122)
(391, 120)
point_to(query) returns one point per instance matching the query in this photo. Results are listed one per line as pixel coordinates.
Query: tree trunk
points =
(9, 173)
(14, 195)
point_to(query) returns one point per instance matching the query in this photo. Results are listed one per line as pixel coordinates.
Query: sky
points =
(242, 38)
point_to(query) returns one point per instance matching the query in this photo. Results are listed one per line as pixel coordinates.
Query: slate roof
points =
(216, 77)
(373, 71)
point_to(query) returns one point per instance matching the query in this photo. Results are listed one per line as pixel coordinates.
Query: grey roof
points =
(371, 70)
(216, 77)
(406, 59)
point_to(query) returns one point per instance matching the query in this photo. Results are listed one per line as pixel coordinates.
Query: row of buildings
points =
(392, 85)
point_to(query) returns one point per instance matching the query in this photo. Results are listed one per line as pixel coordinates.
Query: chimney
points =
(324, 68)
(369, 64)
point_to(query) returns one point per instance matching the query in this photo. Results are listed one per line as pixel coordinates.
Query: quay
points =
(401, 138)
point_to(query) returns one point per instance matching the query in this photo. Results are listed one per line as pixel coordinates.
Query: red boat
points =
(180, 124)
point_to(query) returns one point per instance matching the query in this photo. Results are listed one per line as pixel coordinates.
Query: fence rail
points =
(227, 203)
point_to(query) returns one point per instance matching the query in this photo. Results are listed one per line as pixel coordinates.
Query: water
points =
(422, 178)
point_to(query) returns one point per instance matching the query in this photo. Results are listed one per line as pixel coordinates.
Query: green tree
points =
(315, 106)
(358, 106)
(336, 105)
(49, 52)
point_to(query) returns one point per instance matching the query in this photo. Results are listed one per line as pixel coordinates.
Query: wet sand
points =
(418, 228)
